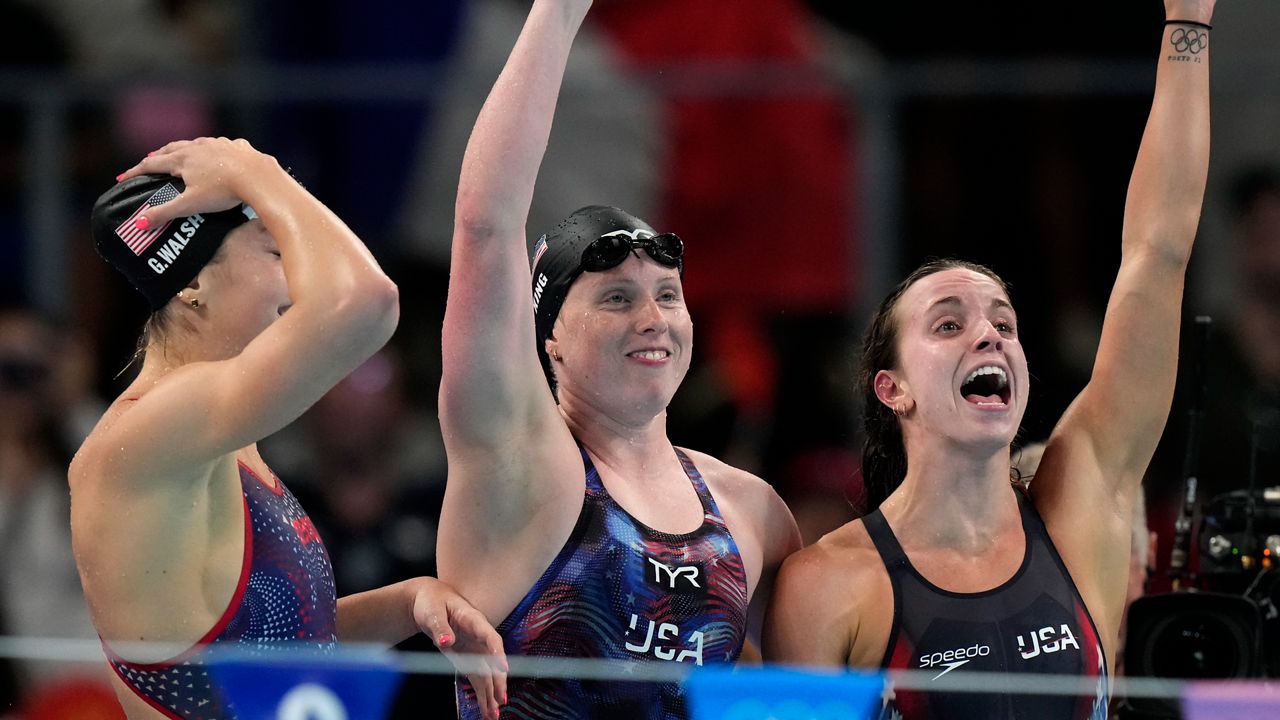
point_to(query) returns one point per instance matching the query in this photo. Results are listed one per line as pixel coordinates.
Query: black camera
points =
(1194, 635)
(1239, 536)
(1231, 631)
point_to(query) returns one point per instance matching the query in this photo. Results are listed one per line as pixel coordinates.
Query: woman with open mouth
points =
(958, 569)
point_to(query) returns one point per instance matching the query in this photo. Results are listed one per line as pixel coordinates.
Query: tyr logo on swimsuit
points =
(668, 576)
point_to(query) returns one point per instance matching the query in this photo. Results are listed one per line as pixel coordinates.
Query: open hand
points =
(457, 628)
(213, 170)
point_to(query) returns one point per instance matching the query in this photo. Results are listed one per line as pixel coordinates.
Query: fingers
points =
(495, 684)
(170, 158)
(156, 161)
(487, 677)
(157, 215)
(430, 613)
(500, 685)
(212, 170)
(439, 630)
(485, 695)
(477, 636)
(438, 611)
(490, 643)
(163, 162)
(474, 625)
(495, 658)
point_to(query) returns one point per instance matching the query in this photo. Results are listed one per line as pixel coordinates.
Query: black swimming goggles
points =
(608, 251)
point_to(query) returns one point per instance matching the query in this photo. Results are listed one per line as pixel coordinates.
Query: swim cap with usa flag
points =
(158, 261)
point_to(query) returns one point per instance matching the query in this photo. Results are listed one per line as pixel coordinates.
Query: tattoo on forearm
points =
(1188, 43)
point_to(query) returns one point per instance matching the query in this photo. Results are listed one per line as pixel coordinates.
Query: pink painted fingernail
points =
(153, 152)
(118, 177)
(446, 639)
(142, 223)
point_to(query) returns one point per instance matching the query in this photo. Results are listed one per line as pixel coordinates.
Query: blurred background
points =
(809, 153)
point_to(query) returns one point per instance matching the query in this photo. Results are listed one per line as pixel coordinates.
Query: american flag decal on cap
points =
(539, 249)
(138, 240)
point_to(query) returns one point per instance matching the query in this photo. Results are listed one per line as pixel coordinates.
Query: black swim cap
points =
(557, 262)
(159, 261)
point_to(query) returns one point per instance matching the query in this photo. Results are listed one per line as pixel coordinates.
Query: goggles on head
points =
(608, 251)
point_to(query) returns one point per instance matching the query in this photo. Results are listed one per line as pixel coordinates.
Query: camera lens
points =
(1196, 645)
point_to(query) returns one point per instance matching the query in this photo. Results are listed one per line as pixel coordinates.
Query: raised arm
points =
(1095, 459)
(1122, 412)
(343, 309)
(492, 388)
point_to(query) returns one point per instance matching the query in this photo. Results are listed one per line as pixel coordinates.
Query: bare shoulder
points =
(747, 496)
(844, 560)
(121, 448)
(737, 484)
(93, 463)
(113, 472)
(834, 593)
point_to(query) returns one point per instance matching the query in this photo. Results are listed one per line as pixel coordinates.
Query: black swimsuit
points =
(1035, 622)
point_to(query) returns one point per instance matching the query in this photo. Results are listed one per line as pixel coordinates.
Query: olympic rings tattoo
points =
(1189, 40)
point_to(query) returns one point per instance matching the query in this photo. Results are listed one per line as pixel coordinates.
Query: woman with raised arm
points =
(262, 300)
(957, 570)
(569, 518)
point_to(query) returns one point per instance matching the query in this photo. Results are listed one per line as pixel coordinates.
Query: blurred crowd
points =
(736, 125)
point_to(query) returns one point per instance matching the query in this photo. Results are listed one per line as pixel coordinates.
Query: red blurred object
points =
(79, 698)
(758, 185)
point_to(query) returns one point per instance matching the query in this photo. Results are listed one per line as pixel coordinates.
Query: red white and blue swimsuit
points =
(284, 600)
(1035, 622)
(619, 589)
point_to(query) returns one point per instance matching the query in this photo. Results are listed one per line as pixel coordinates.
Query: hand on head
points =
(214, 171)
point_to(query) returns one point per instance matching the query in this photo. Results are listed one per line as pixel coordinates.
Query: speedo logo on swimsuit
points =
(952, 659)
